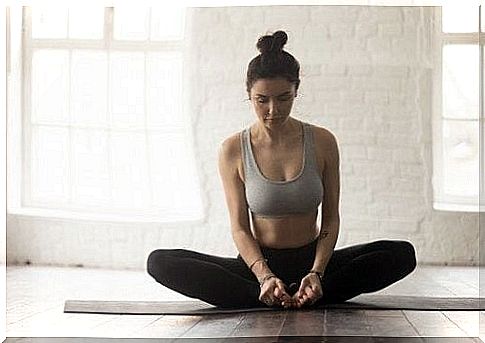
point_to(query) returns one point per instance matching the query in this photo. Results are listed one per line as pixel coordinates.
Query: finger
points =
(269, 302)
(285, 300)
(309, 291)
(285, 304)
(277, 292)
(280, 295)
(290, 303)
(299, 302)
(302, 288)
(297, 298)
(282, 288)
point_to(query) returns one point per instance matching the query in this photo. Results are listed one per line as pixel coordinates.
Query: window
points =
(456, 148)
(104, 129)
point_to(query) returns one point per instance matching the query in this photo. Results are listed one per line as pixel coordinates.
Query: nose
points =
(273, 109)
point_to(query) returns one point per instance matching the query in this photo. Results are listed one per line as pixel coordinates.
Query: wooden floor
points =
(36, 295)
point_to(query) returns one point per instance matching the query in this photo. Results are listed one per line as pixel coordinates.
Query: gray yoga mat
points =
(374, 302)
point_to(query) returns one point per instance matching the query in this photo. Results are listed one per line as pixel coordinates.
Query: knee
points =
(406, 255)
(153, 262)
(158, 260)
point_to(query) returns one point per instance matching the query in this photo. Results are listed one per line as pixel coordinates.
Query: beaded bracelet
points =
(266, 278)
(319, 274)
(258, 260)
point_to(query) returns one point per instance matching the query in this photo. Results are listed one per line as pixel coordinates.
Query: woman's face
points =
(272, 100)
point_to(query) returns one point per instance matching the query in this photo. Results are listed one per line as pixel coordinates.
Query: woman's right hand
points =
(273, 292)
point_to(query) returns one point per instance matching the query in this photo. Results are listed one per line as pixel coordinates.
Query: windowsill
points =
(457, 207)
(64, 214)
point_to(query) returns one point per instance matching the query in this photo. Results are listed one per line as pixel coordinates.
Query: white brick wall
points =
(364, 77)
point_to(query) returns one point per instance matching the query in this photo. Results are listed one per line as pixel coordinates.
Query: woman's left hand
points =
(310, 290)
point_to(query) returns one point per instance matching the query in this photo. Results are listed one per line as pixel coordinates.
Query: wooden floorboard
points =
(433, 323)
(468, 321)
(347, 323)
(35, 298)
(260, 324)
(124, 326)
(305, 323)
(169, 326)
(218, 325)
(389, 323)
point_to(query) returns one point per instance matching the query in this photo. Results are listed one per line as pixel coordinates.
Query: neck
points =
(278, 134)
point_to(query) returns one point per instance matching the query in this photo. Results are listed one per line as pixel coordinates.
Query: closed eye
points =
(261, 100)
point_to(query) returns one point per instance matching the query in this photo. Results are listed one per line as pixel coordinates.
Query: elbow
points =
(331, 220)
(240, 232)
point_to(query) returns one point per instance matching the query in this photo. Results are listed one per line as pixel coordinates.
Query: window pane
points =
(49, 22)
(130, 23)
(89, 84)
(86, 22)
(460, 81)
(460, 18)
(130, 171)
(460, 149)
(50, 164)
(128, 89)
(91, 185)
(50, 86)
(482, 21)
(167, 23)
(164, 73)
(175, 188)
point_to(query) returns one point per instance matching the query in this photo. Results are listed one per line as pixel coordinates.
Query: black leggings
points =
(228, 282)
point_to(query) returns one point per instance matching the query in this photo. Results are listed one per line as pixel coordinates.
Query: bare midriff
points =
(291, 231)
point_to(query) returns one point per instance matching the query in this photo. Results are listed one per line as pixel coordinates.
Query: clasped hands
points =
(273, 292)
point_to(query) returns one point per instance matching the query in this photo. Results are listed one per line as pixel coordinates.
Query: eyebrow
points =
(285, 93)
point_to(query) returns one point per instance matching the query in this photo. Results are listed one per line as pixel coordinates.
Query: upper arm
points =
(229, 155)
(331, 177)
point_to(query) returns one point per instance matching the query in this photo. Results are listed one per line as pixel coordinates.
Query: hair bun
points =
(280, 39)
(272, 44)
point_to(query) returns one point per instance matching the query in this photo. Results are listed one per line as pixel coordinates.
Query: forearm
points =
(326, 244)
(250, 251)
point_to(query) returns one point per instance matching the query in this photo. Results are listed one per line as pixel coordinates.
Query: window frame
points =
(22, 185)
(442, 201)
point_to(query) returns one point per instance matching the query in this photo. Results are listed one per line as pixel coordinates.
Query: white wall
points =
(3, 191)
(366, 75)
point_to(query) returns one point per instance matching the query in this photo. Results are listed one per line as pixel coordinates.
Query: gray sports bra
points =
(269, 198)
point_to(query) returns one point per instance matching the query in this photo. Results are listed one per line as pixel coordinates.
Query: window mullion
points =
(108, 38)
(70, 149)
(147, 137)
(481, 123)
(68, 44)
(108, 26)
(460, 38)
(26, 111)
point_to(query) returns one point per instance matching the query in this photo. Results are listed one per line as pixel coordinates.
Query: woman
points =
(280, 169)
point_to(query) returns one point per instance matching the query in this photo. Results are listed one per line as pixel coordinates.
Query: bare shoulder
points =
(231, 147)
(323, 137)
(230, 152)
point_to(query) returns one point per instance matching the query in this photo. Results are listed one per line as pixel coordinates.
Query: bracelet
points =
(266, 278)
(262, 259)
(320, 275)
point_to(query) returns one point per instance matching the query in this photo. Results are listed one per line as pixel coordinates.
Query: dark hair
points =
(273, 61)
